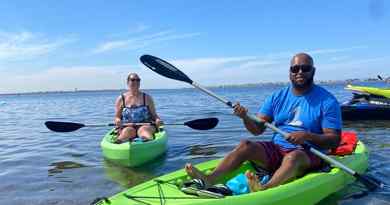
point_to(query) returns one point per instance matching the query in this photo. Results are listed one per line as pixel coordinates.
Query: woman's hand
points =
(240, 111)
(158, 122)
(117, 122)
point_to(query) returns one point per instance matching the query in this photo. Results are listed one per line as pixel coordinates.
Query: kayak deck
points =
(306, 190)
(385, 92)
(135, 153)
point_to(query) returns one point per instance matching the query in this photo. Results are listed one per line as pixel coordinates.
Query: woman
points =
(135, 106)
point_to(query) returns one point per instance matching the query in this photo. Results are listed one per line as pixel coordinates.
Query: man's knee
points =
(245, 146)
(297, 159)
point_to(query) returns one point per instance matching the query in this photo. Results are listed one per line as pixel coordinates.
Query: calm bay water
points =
(38, 166)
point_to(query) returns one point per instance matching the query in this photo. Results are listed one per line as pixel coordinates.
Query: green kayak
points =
(309, 189)
(384, 92)
(135, 153)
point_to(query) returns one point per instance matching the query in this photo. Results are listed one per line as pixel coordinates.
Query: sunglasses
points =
(135, 79)
(303, 68)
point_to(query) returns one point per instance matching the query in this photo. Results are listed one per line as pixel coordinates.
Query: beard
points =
(307, 83)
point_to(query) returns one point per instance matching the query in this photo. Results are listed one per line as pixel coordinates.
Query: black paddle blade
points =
(380, 77)
(63, 126)
(164, 68)
(202, 124)
(370, 182)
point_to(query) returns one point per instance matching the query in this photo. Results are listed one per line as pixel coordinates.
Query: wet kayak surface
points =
(43, 167)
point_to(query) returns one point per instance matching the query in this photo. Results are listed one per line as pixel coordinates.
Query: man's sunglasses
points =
(303, 68)
(135, 80)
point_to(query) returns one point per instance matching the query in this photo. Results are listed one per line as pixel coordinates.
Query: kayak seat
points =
(114, 135)
(347, 144)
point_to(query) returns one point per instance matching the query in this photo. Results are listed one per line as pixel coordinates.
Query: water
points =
(38, 166)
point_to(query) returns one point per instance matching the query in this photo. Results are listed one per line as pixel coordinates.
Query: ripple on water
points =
(43, 167)
(59, 167)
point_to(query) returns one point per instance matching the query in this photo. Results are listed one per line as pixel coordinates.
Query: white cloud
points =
(259, 63)
(113, 76)
(201, 63)
(335, 50)
(27, 45)
(205, 71)
(138, 28)
(65, 78)
(141, 42)
(228, 70)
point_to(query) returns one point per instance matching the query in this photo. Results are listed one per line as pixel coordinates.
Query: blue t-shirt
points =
(311, 112)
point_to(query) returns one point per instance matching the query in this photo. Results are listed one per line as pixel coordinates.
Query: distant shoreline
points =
(321, 82)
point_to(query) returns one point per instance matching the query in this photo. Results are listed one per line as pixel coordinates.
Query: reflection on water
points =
(128, 177)
(124, 176)
(367, 124)
(59, 167)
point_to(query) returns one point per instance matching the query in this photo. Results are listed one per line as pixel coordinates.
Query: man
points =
(308, 112)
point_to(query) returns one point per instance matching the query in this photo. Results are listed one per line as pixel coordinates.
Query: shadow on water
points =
(204, 150)
(59, 167)
(357, 194)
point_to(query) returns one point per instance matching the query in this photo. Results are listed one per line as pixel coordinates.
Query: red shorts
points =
(275, 155)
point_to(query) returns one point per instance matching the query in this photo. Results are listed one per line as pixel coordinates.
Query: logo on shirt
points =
(294, 120)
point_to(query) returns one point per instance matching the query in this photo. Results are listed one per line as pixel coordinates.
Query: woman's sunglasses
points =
(303, 68)
(135, 79)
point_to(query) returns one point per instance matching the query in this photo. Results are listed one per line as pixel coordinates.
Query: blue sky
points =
(63, 45)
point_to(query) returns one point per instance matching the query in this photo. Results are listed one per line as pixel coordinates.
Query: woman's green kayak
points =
(135, 153)
(384, 92)
(309, 189)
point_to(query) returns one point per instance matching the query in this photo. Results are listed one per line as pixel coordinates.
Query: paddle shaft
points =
(129, 124)
(285, 134)
(226, 102)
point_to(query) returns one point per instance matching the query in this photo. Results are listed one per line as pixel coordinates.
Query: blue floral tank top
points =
(136, 114)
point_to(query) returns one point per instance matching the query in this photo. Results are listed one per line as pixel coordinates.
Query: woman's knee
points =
(129, 131)
(146, 130)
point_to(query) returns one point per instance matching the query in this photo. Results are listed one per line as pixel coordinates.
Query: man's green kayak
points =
(135, 153)
(309, 189)
(385, 92)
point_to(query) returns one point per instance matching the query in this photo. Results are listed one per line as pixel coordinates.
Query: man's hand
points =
(240, 111)
(298, 137)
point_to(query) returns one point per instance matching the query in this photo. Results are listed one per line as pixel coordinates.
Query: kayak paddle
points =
(198, 124)
(168, 70)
